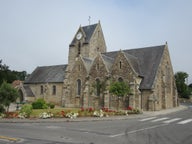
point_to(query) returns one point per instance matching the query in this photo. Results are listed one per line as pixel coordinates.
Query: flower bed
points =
(68, 113)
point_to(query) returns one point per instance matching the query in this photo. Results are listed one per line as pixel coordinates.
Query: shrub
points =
(39, 104)
(25, 111)
(51, 105)
(2, 115)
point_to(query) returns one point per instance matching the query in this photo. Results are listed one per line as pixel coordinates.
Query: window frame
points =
(78, 90)
(54, 90)
(41, 89)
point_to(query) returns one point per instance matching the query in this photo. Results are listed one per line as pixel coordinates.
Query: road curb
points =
(167, 111)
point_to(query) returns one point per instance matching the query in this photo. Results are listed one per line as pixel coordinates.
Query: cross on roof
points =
(89, 20)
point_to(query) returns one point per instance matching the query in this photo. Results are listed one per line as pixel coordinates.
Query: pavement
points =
(84, 119)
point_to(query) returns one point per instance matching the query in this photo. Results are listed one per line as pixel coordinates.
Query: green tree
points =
(8, 94)
(120, 89)
(182, 88)
(190, 88)
(9, 76)
(190, 85)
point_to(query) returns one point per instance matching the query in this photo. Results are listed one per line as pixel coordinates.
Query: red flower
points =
(82, 109)
(129, 108)
(105, 109)
(63, 113)
(90, 109)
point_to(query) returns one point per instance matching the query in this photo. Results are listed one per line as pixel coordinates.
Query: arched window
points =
(97, 49)
(54, 90)
(97, 66)
(78, 87)
(120, 64)
(79, 48)
(98, 87)
(120, 79)
(41, 90)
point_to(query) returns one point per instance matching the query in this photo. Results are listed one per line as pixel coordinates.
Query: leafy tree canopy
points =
(182, 88)
(119, 89)
(8, 75)
(8, 94)
(190, 85)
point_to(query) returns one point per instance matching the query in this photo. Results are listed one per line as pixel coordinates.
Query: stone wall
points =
(47, 94)
(164, 92)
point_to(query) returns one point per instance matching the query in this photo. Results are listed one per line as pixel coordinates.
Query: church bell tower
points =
(87, 42)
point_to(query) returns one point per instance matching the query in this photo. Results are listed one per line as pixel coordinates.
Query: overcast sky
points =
(38, 32)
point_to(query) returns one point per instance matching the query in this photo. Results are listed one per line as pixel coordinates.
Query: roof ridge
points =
(89, 25)
(52, 65)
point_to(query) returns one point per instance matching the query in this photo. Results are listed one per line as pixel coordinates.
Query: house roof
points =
(134, 63)
(148, 60)
(46, 74)
(108, 61)
(88, 62)
(28, 91)
(88, 31)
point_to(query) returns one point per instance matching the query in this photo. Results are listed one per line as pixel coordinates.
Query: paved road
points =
(174, 128)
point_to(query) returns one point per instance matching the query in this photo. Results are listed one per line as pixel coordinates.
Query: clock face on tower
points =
(79, 36)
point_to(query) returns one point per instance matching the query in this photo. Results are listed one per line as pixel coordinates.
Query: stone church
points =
(85, 80)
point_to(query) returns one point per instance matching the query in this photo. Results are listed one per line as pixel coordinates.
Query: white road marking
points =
(172, 120)
(160, 119)
(138, 130)
(146, 119)
(185, 121)
(52, 127)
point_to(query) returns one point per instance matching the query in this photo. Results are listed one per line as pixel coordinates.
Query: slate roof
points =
(134, 62)
(108, 61)
(47, 74)
(88, 30)
(148, 62)
(88, 62)
(28, 91)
